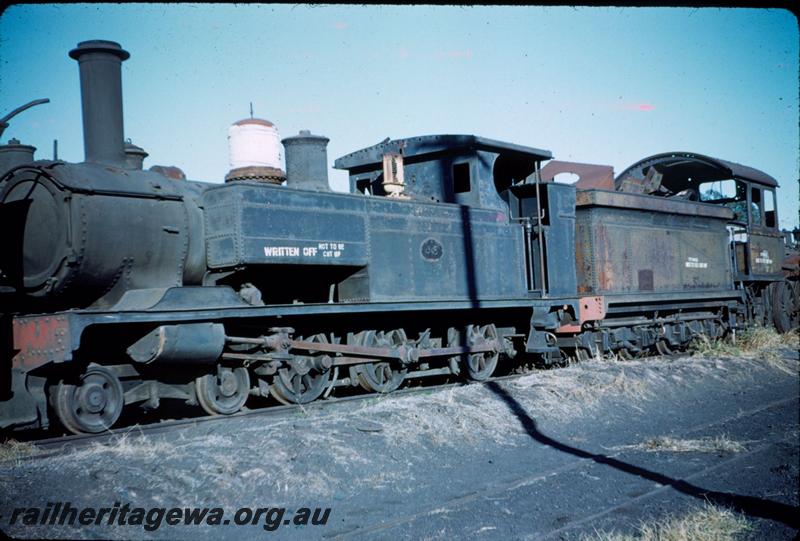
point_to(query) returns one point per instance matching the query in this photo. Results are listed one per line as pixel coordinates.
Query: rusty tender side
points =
(451, 255)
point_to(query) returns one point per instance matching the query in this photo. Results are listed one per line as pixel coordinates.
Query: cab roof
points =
(691, 168)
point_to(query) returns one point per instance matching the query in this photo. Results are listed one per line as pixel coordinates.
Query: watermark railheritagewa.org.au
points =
(153, 518)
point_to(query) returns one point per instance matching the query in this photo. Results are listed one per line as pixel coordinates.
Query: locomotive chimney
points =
(100, 64)
(307, 161)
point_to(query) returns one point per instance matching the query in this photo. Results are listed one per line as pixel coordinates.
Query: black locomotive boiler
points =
(450, 254)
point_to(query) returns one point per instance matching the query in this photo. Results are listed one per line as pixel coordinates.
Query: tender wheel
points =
(90, 406)
(225, 392)
(382, 377)
(663, 347)
(768, 305)
(304, 380)
(625, 354)
(481, 366)
(785, 306)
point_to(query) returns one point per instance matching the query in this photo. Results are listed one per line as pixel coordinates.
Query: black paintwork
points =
(472, 236)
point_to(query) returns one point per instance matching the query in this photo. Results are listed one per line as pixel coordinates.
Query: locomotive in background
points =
(121, 286)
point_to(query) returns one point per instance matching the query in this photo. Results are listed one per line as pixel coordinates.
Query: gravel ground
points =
(558, 454)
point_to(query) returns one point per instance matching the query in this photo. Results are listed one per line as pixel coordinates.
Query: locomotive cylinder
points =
(307, 161)
(100, 64)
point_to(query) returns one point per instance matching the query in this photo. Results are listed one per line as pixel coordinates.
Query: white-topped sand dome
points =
(254, 151)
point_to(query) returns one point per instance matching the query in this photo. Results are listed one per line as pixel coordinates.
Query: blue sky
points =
(591, 84)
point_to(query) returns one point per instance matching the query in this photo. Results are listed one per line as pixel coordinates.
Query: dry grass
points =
(16, 450)
(791, 340)
(703, 346)
(756, 344)
(474, 414)
(719, 445)
(759, 339)
(710, 523)
(580, 388)
(454, 417)
(130, 447)
(296, 467)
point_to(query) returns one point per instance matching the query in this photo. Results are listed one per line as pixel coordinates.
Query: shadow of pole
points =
(755, 507)
(749, 505)
(472, 285)
(469, 259)
(469, 256)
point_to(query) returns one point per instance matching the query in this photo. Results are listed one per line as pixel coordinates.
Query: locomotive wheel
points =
(90, 406)
(481, 366)
(582, 355)
(785, 306)
(225, 392)
(301, 382)
(382, 377)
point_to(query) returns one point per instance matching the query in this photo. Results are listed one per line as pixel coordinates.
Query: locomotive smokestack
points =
(307, 161)
(101, 97)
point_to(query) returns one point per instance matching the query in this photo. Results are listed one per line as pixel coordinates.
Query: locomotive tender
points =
(122, 286)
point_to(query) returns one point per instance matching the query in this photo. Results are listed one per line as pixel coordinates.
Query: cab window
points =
(755, 206)
(770, 217)
(719, 190)
(729, 192)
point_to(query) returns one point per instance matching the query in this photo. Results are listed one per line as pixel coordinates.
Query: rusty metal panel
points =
(589, 309)
(740, 254)
(632, 251)
(791, 263)
(40, 340)
(766, 254)
(603, 198)
(589, 175)
(592, 308)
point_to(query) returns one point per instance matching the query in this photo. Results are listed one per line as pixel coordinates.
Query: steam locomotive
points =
(450, 255)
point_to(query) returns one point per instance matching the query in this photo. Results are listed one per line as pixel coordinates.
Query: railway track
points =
(58, 444)
(662, 483)
(412, 518)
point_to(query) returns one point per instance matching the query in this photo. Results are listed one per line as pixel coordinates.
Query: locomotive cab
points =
(754, 225)
(748, 192)
(479, 174)
(756, 244)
